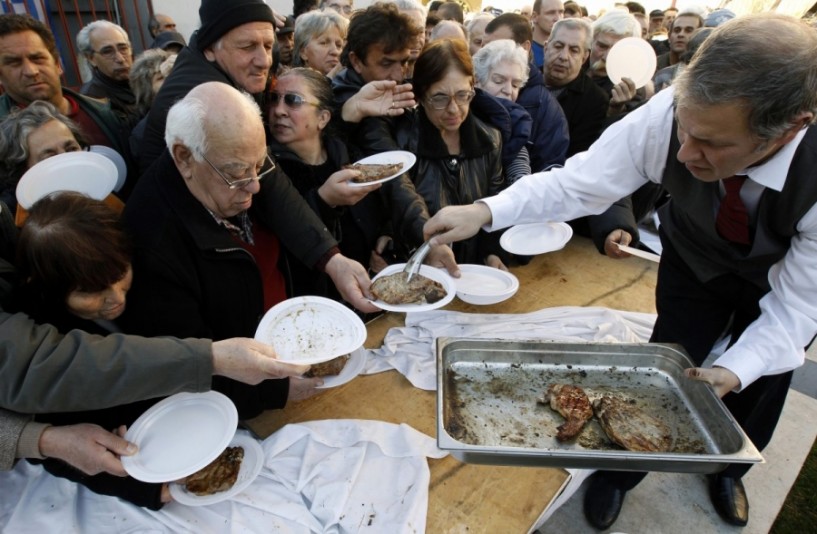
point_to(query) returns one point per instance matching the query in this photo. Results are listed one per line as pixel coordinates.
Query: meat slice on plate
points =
(631, 427)
(572, 403)
(393, 289)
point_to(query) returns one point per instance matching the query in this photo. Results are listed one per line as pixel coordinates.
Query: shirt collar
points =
(772, 174)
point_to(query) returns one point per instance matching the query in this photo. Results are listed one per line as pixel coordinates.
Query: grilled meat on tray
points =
(631, 427)
(572, 403)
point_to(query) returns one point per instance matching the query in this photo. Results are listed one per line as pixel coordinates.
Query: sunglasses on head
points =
(291, 100)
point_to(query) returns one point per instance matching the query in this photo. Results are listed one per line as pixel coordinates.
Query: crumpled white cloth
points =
(332, 476)
(412, 352)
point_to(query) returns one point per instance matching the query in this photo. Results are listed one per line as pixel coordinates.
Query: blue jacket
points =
(549, 138)
(511, 119)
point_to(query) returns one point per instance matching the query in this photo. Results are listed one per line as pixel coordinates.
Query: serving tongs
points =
(413, 264)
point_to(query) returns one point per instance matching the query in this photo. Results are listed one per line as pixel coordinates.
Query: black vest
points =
(688, 218)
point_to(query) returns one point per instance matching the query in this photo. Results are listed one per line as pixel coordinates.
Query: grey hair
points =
(84, 35)
(312, 24)
(619, 23)
(14, 132)
(84, 44)
(410, 5)
(187, 120)
(442, 25)
(767, 63)
(141, 76)
(577, 24)
(476, 18)
(496, 52)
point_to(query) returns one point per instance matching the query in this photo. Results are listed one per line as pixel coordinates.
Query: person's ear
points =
(183, 158)
(526, 45)
(324, 116)
(209, 55)
(800, 121)
(355, 62)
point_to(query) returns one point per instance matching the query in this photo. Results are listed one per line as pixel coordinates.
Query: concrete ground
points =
(673, 503)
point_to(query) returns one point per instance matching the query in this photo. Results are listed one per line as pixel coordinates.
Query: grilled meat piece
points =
(331, 368)
(371, 172)
(631, 427)
(572, 403)
(393, 289)
(219, 475)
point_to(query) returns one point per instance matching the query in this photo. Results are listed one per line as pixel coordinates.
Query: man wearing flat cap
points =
(233, 46)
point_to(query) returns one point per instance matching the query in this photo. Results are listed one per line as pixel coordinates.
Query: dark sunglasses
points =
(291, 100)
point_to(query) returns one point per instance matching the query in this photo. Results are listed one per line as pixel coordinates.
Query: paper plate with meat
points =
(227, 475)
(340, 370)
(381, 167)
(429, 289)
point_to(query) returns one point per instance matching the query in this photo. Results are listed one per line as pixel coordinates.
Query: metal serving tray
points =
(487, 410)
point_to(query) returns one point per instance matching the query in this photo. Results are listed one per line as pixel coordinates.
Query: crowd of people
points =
(237, 197)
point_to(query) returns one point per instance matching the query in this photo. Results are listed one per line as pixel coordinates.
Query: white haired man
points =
(735, 148)
(107, 49)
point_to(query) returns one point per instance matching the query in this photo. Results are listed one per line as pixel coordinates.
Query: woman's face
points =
(107, 304)
(452, 87)
(504, 81)
(322, 52)
(293, 123)
(48, 140)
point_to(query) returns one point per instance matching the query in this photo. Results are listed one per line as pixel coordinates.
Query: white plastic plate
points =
(634, 58)
(250, 467)
(180, 435)
(438, 275)
(480, 284)
(307, 330)
(386, 158)
(83, 172)
(354, 365)
(536, 238)
(117, 159)
(640, 253)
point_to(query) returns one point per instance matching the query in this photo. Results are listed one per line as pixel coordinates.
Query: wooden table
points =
(479, 498)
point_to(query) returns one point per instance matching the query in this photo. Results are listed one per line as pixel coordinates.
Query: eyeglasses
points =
(268, 167)
(443, 101)
(291, 100)
(110, 51)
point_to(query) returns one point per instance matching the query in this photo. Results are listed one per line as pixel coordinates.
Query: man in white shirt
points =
(746, 267)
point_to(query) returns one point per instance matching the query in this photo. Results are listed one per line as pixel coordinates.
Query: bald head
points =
(210, 113)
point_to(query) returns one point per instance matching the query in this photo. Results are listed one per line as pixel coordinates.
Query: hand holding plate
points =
(721, 379)
(250, 361)
(89, 448)
(335, 191)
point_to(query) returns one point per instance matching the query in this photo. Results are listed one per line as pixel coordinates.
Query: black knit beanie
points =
(220, 16)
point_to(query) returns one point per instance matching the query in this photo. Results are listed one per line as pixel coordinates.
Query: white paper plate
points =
(354, 365)
(84, 172)
(308, 330)
(395, 156)
(480, 284)
(640, 253)
(117, 159)
(536, 238)
(634, 58)
(250, 467)
(180, 435)
(438, 275)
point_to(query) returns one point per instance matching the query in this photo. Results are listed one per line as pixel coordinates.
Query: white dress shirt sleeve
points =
(628, 154)
(774, 343)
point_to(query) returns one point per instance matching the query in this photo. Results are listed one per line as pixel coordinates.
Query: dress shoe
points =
(729, 498)
(602, 502)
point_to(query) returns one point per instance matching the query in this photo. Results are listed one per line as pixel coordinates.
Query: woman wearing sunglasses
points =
(458, 156)
(299, 114)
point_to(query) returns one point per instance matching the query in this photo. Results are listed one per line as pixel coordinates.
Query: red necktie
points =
(732, 222)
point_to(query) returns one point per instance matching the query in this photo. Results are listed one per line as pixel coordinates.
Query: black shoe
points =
(729, 498)
(602, 502)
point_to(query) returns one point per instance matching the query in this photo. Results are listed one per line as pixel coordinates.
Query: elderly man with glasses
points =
(106, 48)
(206, 257)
